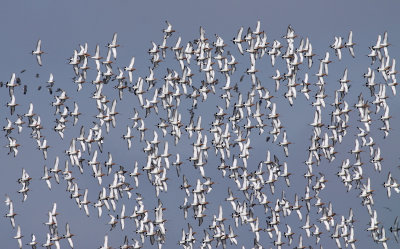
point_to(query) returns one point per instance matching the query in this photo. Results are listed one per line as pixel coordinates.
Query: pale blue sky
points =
(63, 25)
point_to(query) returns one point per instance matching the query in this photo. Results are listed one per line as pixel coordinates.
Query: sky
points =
(63, 26)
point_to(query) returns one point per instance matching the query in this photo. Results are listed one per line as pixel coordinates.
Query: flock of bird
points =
(203, 71)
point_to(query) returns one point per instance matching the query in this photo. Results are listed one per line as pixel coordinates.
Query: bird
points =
(75, 113)
(285, 144)
(395, 229)
(46, 177)
(105, 245)
(168, 31)
(19, 236)
(350, 44)
(128, 137)
(12, 104)
(130, 69)
(48, 243)
(38, 52)
(11, 214)
(42, 145)
(85, 202)
(68, 235)
(51, 80)
(238, 40)
(113, 45)
(33, 242)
